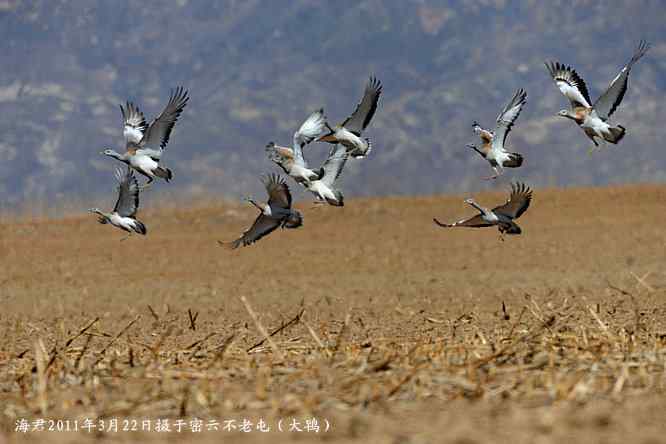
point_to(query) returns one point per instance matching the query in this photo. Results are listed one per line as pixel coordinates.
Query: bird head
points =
(471, 146)
(108, 152)
(565, 113)
(470, 201)
(94, 210)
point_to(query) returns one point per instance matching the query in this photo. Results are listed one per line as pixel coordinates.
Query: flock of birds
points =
(145, 144)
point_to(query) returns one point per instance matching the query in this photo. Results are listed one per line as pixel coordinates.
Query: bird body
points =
(324, 188)
(145, 143)
(493, 143)
(593, 118)
(291, 160)
(123, 215)
(277, 212)
(348, 133)
(502, 216)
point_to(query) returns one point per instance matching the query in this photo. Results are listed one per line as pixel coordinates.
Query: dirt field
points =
(408, 333)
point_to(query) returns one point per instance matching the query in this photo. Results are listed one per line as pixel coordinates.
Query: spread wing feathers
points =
(128, 193)
(134, 122)
(278, 191)
(508, 116)
(608, 102)
(158, 133)
(570, 83)
(519, 201)
(337, 157)
(262, 226)
(364, 111)
(310, 129)
(473, 222)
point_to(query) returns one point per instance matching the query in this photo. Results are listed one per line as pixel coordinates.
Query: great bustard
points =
(492, 149)
(503, 216)
(348, 133)
(145, 143)
(593, 119)
(123, 215)
(324, 189)
(273, 214)
(291, 160)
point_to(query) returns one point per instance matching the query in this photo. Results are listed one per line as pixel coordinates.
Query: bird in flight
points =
(348, 133)
(291, 160)
(145, 143)
(593, 119)
(324, 189)
(502, 216)
(123, 215)
(277, 212)
(492, 149)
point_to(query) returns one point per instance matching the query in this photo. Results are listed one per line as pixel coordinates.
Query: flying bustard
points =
(277, 212)
(291, 160)
(503, 216)
(145, 143)
(348, 133)
(123, 215)
(324, 189)
(593, 119)
(492, 149)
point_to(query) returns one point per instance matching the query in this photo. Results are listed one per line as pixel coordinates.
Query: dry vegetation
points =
(393, 330)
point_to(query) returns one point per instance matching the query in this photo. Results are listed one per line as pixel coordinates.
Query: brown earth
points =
(403, 336)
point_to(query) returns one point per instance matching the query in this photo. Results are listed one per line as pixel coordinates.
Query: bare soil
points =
(394, 330)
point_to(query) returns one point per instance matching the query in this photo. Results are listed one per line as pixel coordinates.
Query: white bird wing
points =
(570, 84)
(134, 122)
(608, 102)
(507, 118)
(157, 135)
(128, 193)
(334, 164)
(310, 129)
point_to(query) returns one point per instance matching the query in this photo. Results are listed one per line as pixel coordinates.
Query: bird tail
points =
(294, 220)
(359, 154)
(616, 134)
(515, 160)
(339, 199)
(139, 227)
(164, 173)
(511, 229)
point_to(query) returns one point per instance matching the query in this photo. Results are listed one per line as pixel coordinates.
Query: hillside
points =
(256, 69)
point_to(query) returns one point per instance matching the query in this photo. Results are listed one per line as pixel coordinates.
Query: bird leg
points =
(497, 174)
(318, 204)
(147, 184)
(126, 237)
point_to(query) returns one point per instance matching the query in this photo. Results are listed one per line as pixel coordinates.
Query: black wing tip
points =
(519, 187)
(375, 84)
(441, 224)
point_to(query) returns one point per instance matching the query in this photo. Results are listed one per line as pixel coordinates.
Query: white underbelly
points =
(144, 164)
(321, 190)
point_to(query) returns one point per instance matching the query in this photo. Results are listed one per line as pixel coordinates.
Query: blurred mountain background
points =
(255, 69)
